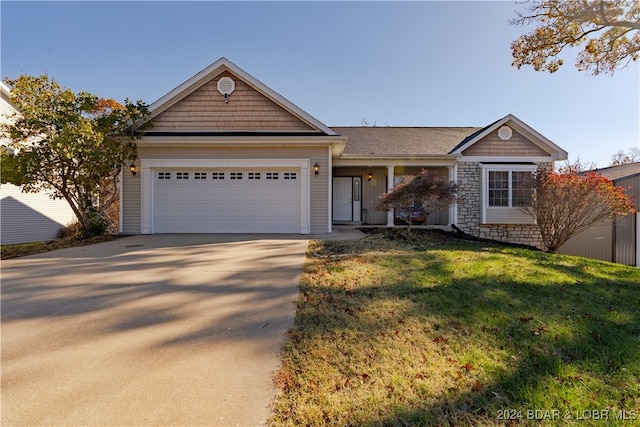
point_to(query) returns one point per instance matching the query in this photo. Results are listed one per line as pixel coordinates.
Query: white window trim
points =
(147, 182)
(484, 182)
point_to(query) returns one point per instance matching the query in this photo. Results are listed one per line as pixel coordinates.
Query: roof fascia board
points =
(399, 157)
(444, 162)
(217, 68)
(509, 159)
(337, 143)
(216, 140)
(5, 89)
(538, 139)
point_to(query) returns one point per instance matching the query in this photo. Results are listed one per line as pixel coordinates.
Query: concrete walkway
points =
(163, 330)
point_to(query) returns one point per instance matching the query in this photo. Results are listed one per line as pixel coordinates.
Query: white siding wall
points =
(31, 217)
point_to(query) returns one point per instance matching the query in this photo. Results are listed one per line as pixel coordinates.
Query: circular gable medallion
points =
(505, 133)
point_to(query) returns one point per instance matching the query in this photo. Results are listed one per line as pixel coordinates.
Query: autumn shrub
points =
(567, 204)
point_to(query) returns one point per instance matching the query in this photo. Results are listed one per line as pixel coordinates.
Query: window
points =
(521, 188)
(254, 175)
(235, 175)
(510, 188)
(498, 188)
(289, 175)
(199, 175)
(507, 192)
(182, 175)
(272, 175)
(217, 175)
(164, 175)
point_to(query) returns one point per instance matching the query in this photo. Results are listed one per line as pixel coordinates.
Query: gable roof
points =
(534, 136)
(401, 141)
(215, 69)
(619, 171)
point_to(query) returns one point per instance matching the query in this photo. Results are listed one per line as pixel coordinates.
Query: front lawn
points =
(431, 330)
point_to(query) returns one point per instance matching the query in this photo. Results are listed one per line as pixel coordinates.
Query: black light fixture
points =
(316, 168)
(132, 168)
(370, 176)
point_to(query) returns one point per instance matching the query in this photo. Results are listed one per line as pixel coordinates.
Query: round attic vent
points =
(226, 86)
(505, 133)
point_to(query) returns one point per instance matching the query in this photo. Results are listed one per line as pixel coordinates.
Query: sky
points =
(345, 63)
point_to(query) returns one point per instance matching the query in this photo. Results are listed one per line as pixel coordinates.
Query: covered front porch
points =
(356, 189)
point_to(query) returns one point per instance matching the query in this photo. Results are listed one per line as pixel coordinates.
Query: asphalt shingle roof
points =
(402, 141)
(619, 171)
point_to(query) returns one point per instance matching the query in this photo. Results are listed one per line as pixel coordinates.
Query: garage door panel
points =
(227, 205)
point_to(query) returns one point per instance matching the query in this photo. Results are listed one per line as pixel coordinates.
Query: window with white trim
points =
(272, 175)
(235, 175)
(182, 175)
(507, 192)
(199, 175)
(217, 175)
(164, 175)
(254, 175)
(290, 175)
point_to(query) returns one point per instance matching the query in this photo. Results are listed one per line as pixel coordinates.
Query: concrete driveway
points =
(180, 330)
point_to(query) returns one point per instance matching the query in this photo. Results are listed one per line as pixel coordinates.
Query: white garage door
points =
(226, 200)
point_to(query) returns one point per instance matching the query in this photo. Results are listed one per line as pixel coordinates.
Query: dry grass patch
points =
(424, 329)
(24, 249)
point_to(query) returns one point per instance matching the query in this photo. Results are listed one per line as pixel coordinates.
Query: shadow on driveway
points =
(148, 330)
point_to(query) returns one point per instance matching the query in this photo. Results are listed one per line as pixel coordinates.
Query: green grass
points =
(431, 330)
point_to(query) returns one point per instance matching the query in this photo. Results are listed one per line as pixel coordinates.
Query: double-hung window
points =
(507, 192)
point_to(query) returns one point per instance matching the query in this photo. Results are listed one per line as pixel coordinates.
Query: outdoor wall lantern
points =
(316, 168)
(132, 168)
(370, 176)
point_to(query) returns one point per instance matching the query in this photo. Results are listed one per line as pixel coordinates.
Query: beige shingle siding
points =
(516, 146)
(247, 109)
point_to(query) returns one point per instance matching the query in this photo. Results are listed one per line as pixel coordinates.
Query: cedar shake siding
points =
(246, 110)
(517, 146)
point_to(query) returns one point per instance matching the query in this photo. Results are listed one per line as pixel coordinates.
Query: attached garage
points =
(223, 153)
(226, 200)
(225, 196)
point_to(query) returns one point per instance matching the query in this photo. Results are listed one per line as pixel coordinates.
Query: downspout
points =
(121, 202)
(330, 192)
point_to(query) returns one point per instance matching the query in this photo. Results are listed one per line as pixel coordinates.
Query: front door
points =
(347, 198)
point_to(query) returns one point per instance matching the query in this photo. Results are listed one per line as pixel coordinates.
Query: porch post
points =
(453, 209)
(390, 176)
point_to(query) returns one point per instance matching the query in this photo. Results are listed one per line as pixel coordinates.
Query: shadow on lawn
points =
(579, 320)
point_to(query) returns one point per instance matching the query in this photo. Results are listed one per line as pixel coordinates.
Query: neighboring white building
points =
(28, 217)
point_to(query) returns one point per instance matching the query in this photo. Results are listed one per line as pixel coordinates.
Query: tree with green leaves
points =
(426, 190)
(609, 31)
(73, 145)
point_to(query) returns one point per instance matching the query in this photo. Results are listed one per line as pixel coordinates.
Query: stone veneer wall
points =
(470, 212)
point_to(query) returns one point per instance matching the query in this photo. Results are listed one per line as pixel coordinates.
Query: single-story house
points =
(618, 239)
(225, 153)
(27, 217)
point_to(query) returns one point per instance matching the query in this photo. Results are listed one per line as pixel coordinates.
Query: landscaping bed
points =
(423, 328)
